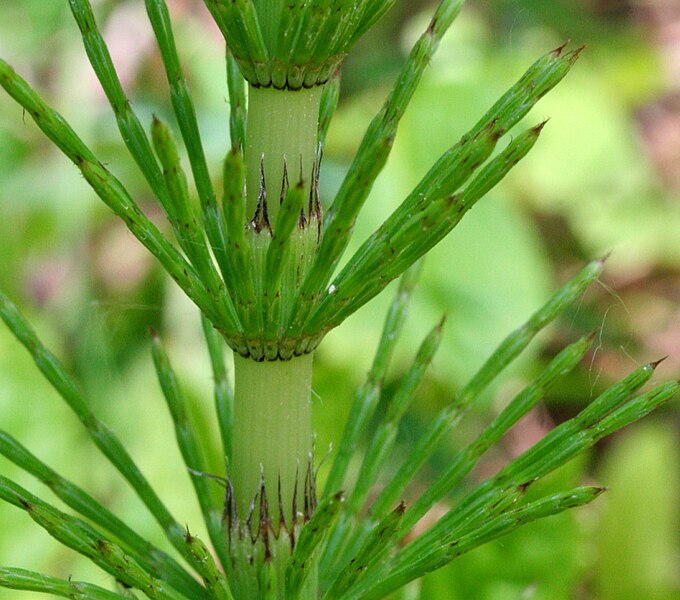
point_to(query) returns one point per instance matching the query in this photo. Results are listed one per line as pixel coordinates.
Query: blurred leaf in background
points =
(638, 541)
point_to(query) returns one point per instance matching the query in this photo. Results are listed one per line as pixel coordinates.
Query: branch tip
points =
(573, 57)
(605, 258)
(656, 363)
(557, 52)
(590, 338)
(538, 128)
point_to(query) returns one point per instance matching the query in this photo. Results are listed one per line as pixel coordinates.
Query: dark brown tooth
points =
(230, 512)
(310, 203)
(265, 521)
(261, 219)
(282, 516)
(313, 473)
(284, 182)
(295, 489)
(309, 492)
(251, 511)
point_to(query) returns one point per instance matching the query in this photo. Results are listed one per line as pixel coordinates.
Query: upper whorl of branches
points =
(291, 44)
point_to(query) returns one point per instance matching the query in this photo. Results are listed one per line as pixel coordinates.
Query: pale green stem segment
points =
(282, 127)
(273, 438)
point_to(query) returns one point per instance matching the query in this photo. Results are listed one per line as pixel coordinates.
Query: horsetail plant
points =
(261, 261)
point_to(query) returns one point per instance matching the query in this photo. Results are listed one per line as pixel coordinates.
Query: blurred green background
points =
(605, 176)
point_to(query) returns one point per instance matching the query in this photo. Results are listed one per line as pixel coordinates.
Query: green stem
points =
(282, 125)
(273, 431)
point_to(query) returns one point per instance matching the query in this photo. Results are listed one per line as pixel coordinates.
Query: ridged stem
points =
(272, 431)
(282, 125)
